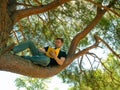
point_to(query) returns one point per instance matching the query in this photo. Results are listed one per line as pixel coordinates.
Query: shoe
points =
(8, 48)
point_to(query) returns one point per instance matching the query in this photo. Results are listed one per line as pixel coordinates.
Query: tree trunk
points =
(21, 66)
(6, 20)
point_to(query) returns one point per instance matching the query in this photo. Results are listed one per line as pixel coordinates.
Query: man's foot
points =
(8, 48)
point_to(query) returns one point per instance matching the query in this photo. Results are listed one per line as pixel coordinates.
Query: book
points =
(50, 49)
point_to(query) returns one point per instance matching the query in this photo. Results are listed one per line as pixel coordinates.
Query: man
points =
(39, 55)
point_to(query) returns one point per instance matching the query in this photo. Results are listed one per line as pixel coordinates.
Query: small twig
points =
(23, 4)
(21, 30)
(80, 63)
(37, 1)
(105, 7)
(117, 55)
(89, 62)
(84, 51)
(100, 61)
(15, 35)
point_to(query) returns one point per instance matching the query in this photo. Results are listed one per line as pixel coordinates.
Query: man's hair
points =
(60, 39)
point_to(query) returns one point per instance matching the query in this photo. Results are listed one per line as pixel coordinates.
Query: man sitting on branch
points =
(46, 56)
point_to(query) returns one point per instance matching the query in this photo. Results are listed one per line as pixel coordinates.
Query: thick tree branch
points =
(84, 51)
(19, 65)
(36, 10)
(82, 34)
(98, 40)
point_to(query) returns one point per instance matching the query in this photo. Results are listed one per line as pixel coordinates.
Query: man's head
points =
(59, 42)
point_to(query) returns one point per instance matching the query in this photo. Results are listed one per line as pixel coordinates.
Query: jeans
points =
(37, 57)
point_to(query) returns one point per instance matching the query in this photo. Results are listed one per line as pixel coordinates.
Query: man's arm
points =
(59, 61)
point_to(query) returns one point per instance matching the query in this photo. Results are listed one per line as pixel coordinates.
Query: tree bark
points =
(40, 9)
(6, 20)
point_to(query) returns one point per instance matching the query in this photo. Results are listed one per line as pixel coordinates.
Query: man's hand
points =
(59, 61)
(53, 54)
(42, 50)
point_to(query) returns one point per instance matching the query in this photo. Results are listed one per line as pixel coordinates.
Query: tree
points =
(13, 11)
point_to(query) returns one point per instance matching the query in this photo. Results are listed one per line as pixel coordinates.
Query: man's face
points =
(58, 43)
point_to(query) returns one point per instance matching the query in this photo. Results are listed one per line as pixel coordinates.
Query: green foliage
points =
(108, 28)
(31, 83)
(105, 77)
(65, 21)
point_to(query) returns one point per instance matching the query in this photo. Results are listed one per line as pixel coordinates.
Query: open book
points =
(50, 49)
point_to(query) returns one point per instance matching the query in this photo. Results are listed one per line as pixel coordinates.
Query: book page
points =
(50, 49)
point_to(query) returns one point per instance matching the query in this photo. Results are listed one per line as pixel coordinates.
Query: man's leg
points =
(40, 60)
(37, 58)
(25, 45)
